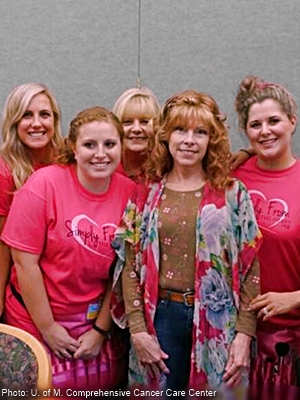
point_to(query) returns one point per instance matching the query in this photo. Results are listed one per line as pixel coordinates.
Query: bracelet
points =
(102, 331)
(247, 152)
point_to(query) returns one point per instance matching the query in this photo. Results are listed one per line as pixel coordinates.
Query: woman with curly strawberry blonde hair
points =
(179, 110)
(188, 271)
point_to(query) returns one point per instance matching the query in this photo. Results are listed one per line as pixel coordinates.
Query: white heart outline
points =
(74, 225)
(282, 202)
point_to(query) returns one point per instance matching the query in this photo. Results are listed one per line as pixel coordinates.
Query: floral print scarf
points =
(227, 241)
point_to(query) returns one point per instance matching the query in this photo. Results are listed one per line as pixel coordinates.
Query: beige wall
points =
(86, 50)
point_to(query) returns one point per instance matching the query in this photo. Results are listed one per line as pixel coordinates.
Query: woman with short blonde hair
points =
(137, 109)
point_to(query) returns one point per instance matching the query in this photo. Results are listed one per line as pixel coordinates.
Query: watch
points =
(102, 331)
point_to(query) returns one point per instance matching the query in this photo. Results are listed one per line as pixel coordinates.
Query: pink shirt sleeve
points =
(6, 188)
(25, 227)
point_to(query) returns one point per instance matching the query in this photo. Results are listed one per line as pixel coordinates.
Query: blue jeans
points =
(173, 323)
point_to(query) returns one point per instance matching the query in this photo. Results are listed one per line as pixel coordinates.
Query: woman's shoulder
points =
(120, 179)
(51, 171)
(236, 184)
(297, 164)
(236, 191)
(4, 167)
(249, 166)
(48, 176)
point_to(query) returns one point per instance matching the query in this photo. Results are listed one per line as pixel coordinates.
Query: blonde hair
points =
(13, 151)
(180, 109)
(142, 98)
(84, 117)
(140, 101)
(253, 90)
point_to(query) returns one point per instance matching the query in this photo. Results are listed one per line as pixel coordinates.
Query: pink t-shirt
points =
(7, 188)
(276, 200)
(139, 179)
(54, 216)
(121, 169)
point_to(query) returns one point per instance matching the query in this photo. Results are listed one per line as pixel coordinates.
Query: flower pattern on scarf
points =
(216, 299)
(213, 221)
(215, 356)
(227, 241)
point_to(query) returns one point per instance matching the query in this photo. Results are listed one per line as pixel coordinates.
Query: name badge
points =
(93, 311)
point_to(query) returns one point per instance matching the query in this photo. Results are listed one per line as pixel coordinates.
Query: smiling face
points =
(137, 125)
(188, 145)
(269, 130)
(97, 153)
(36, 127)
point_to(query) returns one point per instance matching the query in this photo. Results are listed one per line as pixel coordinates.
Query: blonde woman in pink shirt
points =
(31, 137)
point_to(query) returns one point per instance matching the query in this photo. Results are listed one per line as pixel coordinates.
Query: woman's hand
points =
(239, 158)
(37, 303)
(238, 360)
(272, 303)
(150, 354)
(59, 341)
(90, 344)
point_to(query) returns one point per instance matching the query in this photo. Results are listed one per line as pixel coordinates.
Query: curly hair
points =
(85, 116)
(181, 108)
(13, 151)
(254, 89)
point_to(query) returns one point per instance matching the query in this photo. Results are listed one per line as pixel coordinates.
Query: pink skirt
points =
(108, 370)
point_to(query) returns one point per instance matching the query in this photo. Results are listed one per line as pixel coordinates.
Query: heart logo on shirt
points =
(92, 237)
(269, 212)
